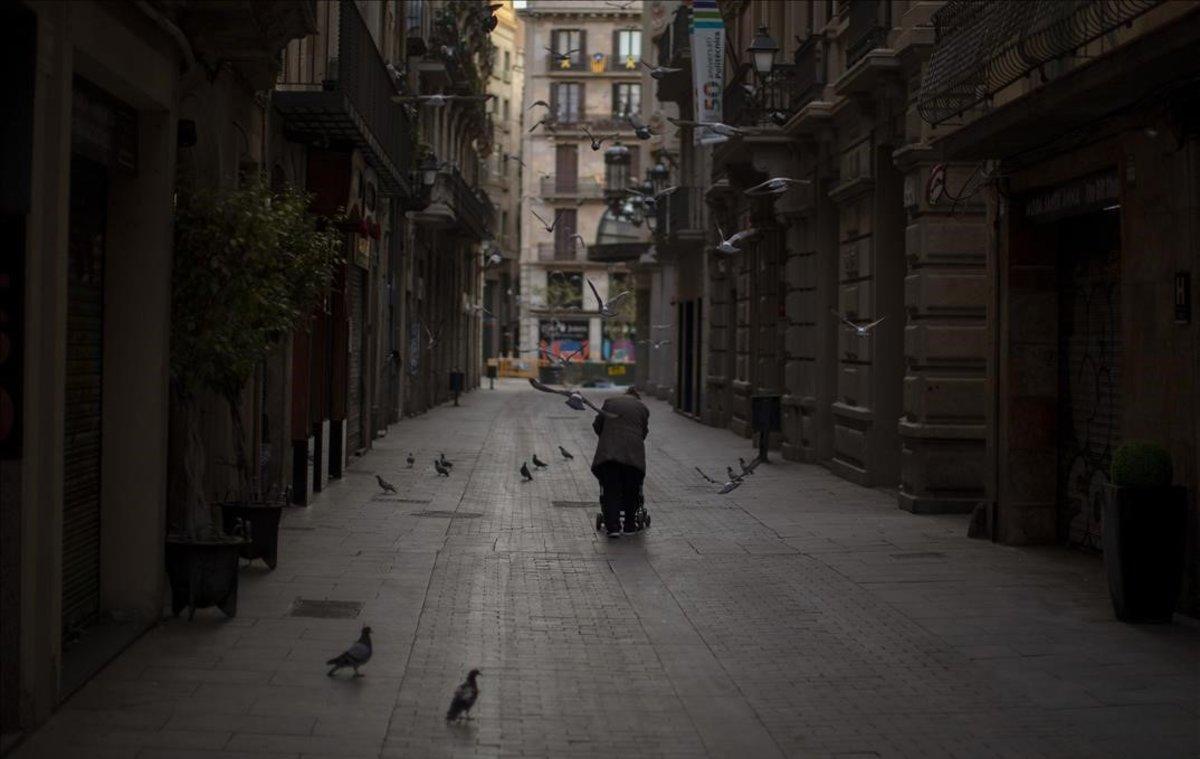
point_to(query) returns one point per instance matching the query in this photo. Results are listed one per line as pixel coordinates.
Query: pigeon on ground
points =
(538, 462)
(443, 471)
(525, 471)
(729, 486)
(464, 698)
(445, 461)
(705, 476)
(566, 454)
(355, 656)
(410, 460)
(387, 486)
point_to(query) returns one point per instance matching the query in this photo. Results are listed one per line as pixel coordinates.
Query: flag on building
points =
(708, 65)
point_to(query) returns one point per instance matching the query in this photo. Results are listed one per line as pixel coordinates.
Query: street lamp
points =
(762, 51)
(659, 175)
(429, 170)
(616, 174)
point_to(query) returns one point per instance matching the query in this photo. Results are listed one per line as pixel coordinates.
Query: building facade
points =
(890, 300)
(582, 77)
(502, 179)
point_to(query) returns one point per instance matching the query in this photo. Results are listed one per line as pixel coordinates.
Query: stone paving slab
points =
(800, 615)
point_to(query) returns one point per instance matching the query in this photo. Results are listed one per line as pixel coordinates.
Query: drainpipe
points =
(173, 31)
(1001, 205)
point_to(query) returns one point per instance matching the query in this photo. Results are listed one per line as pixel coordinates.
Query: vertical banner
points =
(708, 66)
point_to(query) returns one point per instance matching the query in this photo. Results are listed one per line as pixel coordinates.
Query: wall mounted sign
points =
(708, 66)
(1091, 193)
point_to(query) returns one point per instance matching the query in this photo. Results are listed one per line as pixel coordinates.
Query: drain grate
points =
(919, 555)
(575, 504)
(448, 514)
(310, 607)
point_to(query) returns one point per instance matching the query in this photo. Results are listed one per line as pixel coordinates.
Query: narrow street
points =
(800, 615)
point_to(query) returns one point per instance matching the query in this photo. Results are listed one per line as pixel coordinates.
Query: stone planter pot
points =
(202, 574)
(260, 528)
(1144, 535)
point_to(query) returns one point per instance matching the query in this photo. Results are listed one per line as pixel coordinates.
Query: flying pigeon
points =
(387, 486)
(559, 57)
(705, 476)
(464, 698)
(538, 462)
(717, 127)
(656, 344)
(525, 472)
(574, 398)
(566, 454)
(598, 142)
(517, 158)
(729, 486)
(544, 121)
(445, 461)
(542, 103)
(355, 656)
(658, 72)
(862, 330)
(729, 245)
(642, 131)
(410, 460)
(549, 227)
(438, 99)
(606, 309)
(489, 25)
(441, 470)
(775, 186)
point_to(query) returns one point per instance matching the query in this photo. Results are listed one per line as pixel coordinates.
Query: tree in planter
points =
(249, 266)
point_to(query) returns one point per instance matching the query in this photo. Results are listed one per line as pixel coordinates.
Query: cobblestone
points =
(799, 616)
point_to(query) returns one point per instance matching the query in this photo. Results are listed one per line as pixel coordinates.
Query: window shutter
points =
(582, 108)
(616, 100)
(616, 50)
(554, 101)
(583, 51)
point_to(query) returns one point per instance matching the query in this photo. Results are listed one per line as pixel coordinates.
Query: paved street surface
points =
(798, 616)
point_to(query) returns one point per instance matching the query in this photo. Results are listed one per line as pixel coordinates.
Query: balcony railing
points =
(596, 123)
(747, 103)
(576, 63)
(472, 207)
(555, 251)
(867, 30)
(335, 86)
(571, 187)
(810, 75)
(981, 47)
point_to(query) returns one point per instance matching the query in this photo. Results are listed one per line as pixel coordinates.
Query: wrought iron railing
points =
(342, 57)
(471, 204)
(750, 100)
(981, 47)
(867, 30)
(558, 251)
(810, 75)
(572, 187)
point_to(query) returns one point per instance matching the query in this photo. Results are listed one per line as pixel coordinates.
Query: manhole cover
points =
(448, 514)
(575, 504)
(308, 607)
(919, 555)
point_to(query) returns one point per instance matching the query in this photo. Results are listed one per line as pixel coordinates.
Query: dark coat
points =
(621, 437)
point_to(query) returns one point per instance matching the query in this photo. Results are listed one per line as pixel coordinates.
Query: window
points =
(506, 73)
(627, 47)
(564, 290)
(566, 102)
(570, 42)
(504, 114)
(564, 234)
(626, 100)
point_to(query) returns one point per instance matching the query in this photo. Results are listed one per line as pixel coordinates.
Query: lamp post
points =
(762, 52)
(659, 175)
(429, 170)
(616, 174)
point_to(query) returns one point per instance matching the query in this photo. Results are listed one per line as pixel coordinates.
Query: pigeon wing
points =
(739, 236)
(843, 319)
(872, 324)
(730, 486)
(546, 388)
(705, 476)
(539, 216)
(598, 298)
(617, 298)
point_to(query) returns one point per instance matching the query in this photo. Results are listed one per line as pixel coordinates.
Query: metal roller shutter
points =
(355, 284)
(1089, 373)
(82, 442)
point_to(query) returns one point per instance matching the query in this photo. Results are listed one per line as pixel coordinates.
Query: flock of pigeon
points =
(734, 480)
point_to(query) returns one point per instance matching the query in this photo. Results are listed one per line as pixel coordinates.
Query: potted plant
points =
(1145, 521)
(250, 265)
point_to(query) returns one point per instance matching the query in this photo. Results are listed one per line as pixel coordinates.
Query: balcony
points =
(556, 251)
(455, 204)
(982, 48)
(866, 30)
(577, 63)
(571, 188)
(596, 123)
(335, 87)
